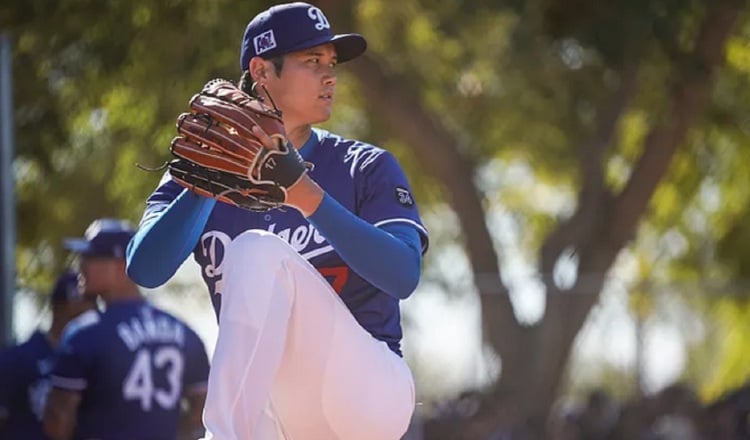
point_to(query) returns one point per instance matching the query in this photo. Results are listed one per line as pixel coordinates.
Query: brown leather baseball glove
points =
(219, 156)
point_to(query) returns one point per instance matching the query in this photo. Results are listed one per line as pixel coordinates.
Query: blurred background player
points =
(25, 368)
(308, 297)
(127, 374)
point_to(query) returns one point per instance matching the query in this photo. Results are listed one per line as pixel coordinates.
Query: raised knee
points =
(263, 245)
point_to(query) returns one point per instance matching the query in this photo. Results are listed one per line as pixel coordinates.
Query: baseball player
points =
(25, 368)
(308, 296)
(125, 374)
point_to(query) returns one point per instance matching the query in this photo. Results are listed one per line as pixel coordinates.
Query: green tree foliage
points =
(97, 87)
(697, 232)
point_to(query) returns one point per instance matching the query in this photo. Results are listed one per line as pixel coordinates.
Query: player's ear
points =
(257, 68)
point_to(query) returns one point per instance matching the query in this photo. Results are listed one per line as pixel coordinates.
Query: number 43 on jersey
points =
(147, 369)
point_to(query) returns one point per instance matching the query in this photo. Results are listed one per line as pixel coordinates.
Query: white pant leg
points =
(268, 427)
(285, 335)
(255, 307)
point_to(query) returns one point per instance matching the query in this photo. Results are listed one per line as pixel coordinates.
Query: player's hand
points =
(305, 195)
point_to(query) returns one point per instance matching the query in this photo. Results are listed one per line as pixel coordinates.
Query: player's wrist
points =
(305, 196)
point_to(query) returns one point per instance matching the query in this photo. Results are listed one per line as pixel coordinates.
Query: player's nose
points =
(329, 79)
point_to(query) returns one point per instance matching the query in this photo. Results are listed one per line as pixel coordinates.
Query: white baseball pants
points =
(291, 362)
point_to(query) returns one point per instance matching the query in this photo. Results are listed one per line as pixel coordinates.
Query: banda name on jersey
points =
(147, 329)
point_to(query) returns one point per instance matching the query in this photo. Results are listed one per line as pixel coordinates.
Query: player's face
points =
(305, 88)
(96, 275)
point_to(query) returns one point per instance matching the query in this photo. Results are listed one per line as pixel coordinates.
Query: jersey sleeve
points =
(72, 359)
(196, 363)
(169, 231)
(384, 195)
(159, 200)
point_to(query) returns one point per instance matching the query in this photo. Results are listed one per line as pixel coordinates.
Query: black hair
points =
(59, 302)
(246, 80)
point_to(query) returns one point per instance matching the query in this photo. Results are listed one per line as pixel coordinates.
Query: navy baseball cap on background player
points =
(290, 27)
(105, 237)
(66, 288)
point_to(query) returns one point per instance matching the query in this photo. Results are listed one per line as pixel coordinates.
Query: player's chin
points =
(321, 114)
(326, 102)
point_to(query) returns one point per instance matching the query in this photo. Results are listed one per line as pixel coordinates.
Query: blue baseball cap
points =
(105, 237)
(290, 27)
(66, 288)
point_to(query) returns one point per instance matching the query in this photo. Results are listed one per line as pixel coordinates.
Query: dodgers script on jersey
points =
(365, 179)
(131, 366)
(24, 382)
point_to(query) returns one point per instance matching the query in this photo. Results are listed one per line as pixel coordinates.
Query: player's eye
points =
(316, 60)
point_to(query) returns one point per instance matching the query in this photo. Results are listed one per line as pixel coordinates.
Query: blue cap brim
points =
(77, 245)
(348, 46)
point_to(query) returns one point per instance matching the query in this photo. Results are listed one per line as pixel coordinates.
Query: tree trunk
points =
(618, 217)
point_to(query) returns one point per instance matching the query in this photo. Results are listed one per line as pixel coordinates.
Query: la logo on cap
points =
(317, 15)
(264, 42)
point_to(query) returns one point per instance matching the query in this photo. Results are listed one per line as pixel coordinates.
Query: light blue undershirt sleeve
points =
(165, 239)
(389, 257)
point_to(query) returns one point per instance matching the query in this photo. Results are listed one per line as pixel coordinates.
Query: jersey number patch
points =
(336, 276)
(139, 383)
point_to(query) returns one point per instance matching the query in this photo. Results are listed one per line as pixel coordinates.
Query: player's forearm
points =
(191, 421)
(58, 429)
(392, 263)
(305, 196)
(60, 414)
(164, 240)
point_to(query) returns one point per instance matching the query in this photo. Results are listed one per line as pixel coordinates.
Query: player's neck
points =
(299, 135)
(123, 291)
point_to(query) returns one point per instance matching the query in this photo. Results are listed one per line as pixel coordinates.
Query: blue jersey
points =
(24, 381)
(365, 179)
(131, 365)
